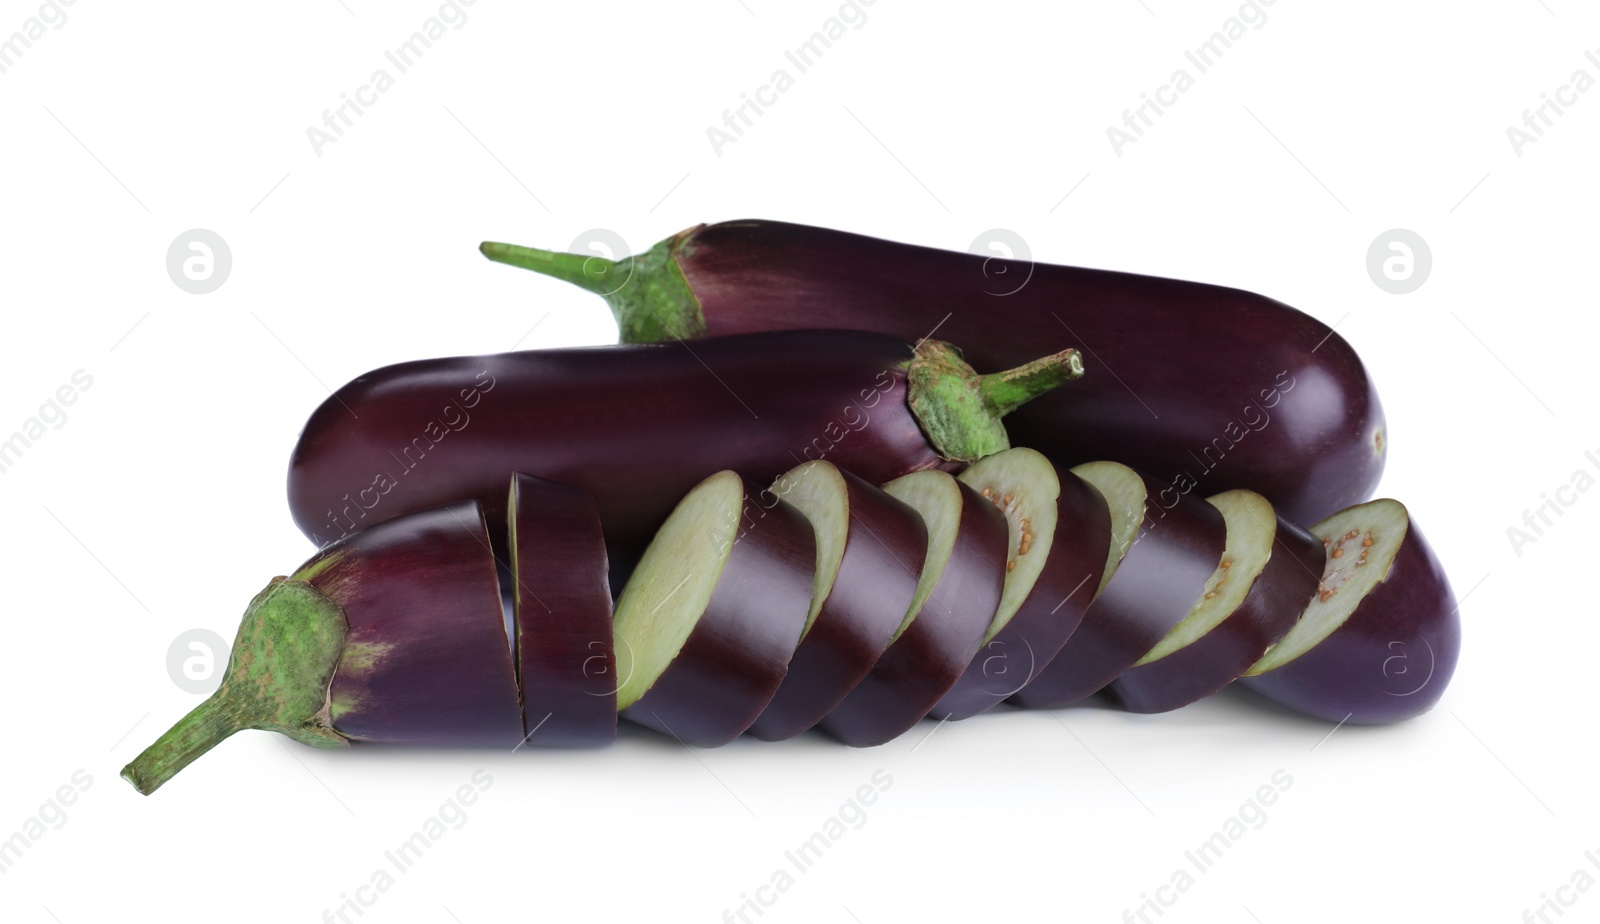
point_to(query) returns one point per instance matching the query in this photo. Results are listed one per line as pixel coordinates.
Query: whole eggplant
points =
(1200, 385)
(638, 426)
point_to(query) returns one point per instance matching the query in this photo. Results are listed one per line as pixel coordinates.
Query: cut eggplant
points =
(1268, 574)
(870, 549)
(394, 634)
(1165, 547)
(1060, 529)
(709, 620)
(566, 661)
(1380, 640)
(958, 594)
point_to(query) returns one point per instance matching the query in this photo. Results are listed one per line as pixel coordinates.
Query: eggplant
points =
(638, 426)
(1059, 530)
(713, 613)
(566, 658)
(958, 594)
(870, 550)
(393, 635)
(1267, 578)
(1165, 548)
(1198, 385)
(1380, 641)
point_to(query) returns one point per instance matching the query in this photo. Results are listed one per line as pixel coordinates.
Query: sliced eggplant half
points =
(1059, 528)
(1380, 640)
(710, 618)
(565, 657)
(1268, 575)
(958, 593)
(1165, 546)
(870, 548)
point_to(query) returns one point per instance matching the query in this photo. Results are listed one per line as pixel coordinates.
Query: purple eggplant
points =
(870, 550)
(638, 426)
(393, 635)
(958, 593)
(1165, 547)
(1199, 385)
(1060, 529)
(1268, 575)
(566, 662)
(708, 622)
(1380, 640)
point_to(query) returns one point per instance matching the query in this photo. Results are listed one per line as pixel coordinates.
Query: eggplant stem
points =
(647, 292)
(1004, 392)
(590, 272)
(283, 661)
(959, 410)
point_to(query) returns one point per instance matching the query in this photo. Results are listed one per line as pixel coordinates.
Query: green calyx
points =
(648, 293)
(960, 411)
(278, 675)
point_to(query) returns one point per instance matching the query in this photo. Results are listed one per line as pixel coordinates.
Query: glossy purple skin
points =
(877, 580)
(738, 653)
(921, 666)
(1279, 595)
(1164, 571)
(635, 426)
(422, 592)
(1391, 660)
(1052, 611)
(1214, 387)
(565, 658)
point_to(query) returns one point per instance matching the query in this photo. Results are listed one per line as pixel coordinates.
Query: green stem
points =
(1004, 392)
(278, 674)
(647, 292)
(196, 733)
(590, 272)
(960, 410)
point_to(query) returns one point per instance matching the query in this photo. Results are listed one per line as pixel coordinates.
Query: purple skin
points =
(394, 635)
(635, 426)
(1276, 599)
(426, 658)
(921, 666)
(565, 659)
(739, 650)
(1162, 574)
(1052, 611)
(1391, 660)
(1200, 384)
(877, 580)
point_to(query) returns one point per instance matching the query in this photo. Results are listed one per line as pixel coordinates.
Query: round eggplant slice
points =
(870, 548)
(562, 605)
(708, 622)
(426, 658)
(1268, 574)
(1060, 528)
(1173, 543)
(1380, 640)
(957, 596)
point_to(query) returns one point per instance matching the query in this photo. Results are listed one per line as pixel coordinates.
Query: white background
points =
(158, 506)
